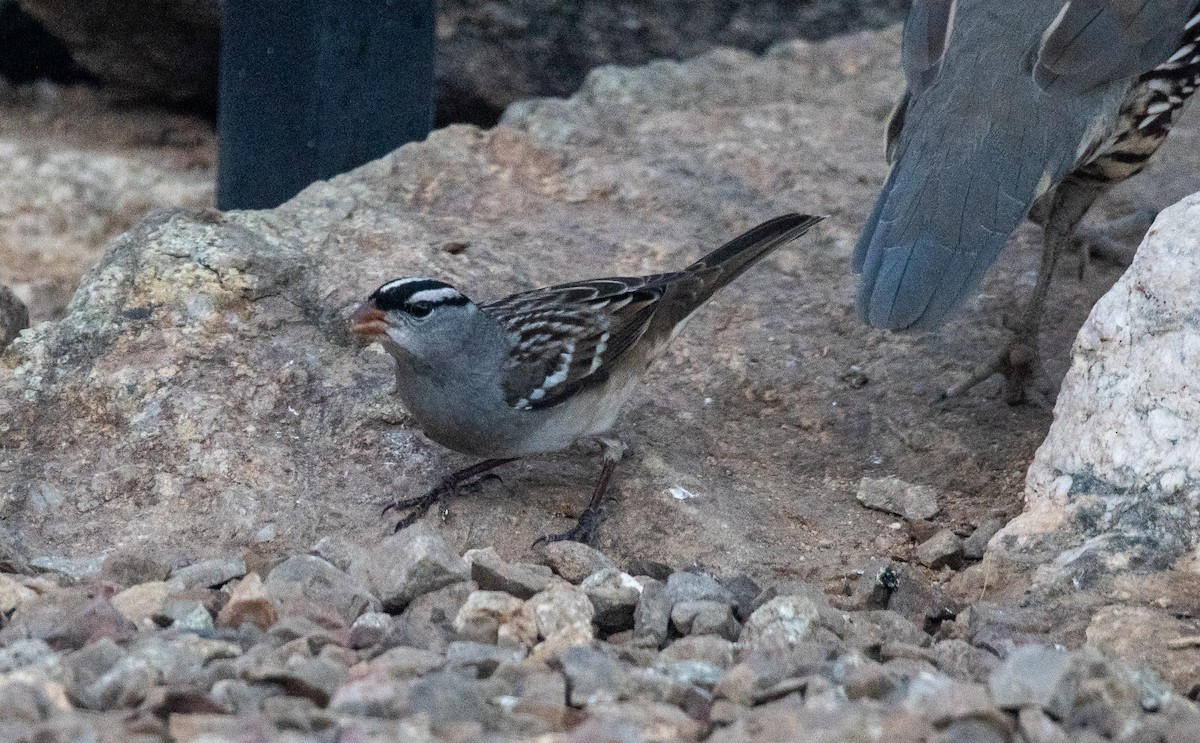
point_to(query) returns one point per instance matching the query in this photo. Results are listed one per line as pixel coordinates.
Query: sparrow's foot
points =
(593, 516)
(419, 506)
(584, 530)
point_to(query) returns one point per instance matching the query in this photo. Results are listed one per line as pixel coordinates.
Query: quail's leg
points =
(589, 521)
(1059, 214)
(447, 488)
(1114, 241)
(1018, 361)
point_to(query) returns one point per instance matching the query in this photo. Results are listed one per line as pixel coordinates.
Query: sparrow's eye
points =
(418, 309)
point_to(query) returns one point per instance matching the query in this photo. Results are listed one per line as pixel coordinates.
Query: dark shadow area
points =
(489, 54)
(29, 52)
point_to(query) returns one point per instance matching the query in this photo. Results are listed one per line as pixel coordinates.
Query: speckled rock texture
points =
(206, 379)
(1111, 526)
(1115, 488)
(75, 171)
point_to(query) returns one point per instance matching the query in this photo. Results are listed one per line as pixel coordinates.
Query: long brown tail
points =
(732, 259)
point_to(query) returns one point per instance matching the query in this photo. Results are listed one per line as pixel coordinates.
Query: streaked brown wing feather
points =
(567, 337)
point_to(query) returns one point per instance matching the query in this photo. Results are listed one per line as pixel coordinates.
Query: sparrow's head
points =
(418, 317)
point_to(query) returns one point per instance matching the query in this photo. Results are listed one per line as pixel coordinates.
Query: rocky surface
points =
(204, 369)
(75, 171)
(489, 53)
(13, 316)
(298, 649)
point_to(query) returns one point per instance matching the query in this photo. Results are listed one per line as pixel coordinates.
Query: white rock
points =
(13, 594)
(1118, 476)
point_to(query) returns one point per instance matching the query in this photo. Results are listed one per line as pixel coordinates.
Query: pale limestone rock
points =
(143, 601)
(1116, 484)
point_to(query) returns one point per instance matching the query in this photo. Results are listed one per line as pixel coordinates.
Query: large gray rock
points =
(1115, 487)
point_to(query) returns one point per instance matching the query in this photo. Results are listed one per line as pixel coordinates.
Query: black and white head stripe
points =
(416, 295)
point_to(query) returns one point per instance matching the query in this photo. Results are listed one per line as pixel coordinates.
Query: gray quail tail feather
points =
(967, 164)
(957, 190)
(1004, 103)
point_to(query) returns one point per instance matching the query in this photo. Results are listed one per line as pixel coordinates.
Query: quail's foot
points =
(418, 506)
(1018, 363)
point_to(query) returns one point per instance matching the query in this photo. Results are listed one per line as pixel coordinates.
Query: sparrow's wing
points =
(568, 337)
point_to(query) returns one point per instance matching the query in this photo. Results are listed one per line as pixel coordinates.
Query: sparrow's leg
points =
(589, 521)
(448, 487)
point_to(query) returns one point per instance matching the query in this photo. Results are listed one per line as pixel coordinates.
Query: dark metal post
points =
(312, 88)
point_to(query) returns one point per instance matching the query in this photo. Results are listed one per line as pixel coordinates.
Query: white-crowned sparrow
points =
(536, 371)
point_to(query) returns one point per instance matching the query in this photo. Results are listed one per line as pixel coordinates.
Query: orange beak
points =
(368, 320)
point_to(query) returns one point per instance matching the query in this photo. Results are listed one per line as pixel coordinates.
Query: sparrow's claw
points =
(448, 488)
(419, 506)
(584, 530)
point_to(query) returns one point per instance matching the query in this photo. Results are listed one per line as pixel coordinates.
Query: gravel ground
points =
(409, 641)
